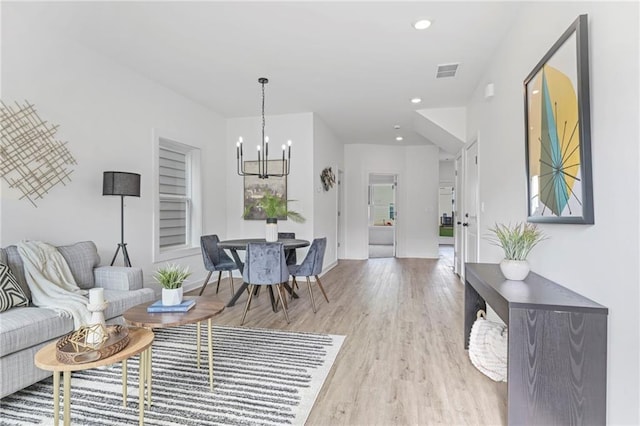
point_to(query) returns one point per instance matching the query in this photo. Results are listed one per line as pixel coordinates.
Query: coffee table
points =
(140, 341)
(206, 308)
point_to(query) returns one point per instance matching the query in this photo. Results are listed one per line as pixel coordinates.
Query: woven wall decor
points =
(328, 178)
(33, 161)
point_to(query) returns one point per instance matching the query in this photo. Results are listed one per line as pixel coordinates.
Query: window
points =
(178, 215)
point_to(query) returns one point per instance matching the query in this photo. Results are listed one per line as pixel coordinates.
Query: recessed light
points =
(422, 24)
(416, 100)
(397, 126)
(399, 138)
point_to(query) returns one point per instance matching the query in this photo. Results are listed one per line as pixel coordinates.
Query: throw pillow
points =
(11, 294)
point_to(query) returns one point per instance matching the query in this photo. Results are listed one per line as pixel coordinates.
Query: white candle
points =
(96, 296)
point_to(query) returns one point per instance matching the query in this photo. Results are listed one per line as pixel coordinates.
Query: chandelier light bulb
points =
(240, 139)
(266, 139)
(258, 147)
(283, 147)
(289, 142)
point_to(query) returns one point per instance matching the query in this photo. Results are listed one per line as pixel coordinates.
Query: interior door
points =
(458, 240)
(339, 231)
(470, 218)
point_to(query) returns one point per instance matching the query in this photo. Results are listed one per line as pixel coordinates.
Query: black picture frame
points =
(558, 132)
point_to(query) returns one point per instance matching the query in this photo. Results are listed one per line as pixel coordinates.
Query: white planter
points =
(271, 230)
(171, 296)
(514, 270)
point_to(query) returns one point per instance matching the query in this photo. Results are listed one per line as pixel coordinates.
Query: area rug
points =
(261, 377)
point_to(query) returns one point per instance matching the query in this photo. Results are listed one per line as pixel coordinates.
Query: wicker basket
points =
(67, 353)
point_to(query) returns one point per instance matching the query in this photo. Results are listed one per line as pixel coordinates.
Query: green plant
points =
(516, 241)
(274, 206)
(171, 276)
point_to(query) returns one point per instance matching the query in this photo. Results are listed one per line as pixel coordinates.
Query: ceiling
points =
(355, 64)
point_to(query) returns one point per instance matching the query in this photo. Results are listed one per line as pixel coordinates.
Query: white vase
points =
(514, 270)
(271, 230)
(171, 296)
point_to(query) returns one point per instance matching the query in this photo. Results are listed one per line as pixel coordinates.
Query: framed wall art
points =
(558, 132)
(255, 188)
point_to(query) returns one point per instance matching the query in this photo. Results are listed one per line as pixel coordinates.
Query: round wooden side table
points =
(140, 341)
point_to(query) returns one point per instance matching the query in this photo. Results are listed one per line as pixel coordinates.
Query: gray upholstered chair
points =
(311, 266)
(291, 254)
(215, 259)
(265, 264)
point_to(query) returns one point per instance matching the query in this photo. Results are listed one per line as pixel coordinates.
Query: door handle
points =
(458, 223)
(465, 224)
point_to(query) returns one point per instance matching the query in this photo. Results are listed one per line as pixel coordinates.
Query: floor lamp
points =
(123, 184)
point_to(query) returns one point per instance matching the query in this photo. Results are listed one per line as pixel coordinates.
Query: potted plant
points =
(171, 278)
(516, 241)
(274, 207)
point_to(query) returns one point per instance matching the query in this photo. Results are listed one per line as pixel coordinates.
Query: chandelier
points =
(263, 152)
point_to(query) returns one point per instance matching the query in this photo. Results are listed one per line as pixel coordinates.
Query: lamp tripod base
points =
(123, 247)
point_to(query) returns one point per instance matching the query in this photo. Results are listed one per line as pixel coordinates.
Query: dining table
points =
(241, 244)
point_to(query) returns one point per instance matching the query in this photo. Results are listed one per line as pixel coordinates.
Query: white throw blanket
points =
(51, 282)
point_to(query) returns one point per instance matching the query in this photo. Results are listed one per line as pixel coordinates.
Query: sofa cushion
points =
(81, 257)
(21, 328)
(14, 261)
(11, 294)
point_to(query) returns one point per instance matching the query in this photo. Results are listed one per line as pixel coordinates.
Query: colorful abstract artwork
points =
(558, 142)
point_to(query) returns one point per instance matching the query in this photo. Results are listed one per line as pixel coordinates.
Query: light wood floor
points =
(403, 361)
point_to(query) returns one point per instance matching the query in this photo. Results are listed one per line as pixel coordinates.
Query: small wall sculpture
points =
(33, 161)
(328, 178)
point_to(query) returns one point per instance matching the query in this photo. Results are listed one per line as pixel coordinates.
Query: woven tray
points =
(117, 341)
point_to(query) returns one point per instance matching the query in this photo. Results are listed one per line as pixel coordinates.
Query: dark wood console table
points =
(557, 362)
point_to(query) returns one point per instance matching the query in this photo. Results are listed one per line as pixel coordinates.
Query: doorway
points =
(471, 210)
(382, 215)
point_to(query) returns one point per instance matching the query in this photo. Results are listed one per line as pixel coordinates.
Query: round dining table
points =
(241, 244)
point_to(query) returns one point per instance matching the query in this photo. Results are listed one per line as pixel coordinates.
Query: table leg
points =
(274, 307)
(142, 373)
(124, 383)
(290, 290)
(149, 371)
(244, 286)
(56, 398)
(66, 394)
(209, 326)
(198, 344)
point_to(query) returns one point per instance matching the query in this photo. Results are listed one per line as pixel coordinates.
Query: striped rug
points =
(261, 377)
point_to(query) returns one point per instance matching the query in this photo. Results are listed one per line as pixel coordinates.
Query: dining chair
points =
(291, 254)
(311, 266)
(265, 264)
(215, 259)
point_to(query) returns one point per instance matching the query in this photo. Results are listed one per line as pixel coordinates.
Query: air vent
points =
(447, 70)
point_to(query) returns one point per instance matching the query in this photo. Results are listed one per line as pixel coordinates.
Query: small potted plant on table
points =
(171, 278)
(516, 241)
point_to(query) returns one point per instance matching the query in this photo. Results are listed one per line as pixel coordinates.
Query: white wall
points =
(107, 114)
(453, 120)
(599, 261)
(447, 173)
(279, 128)
(327, 152)
(417, 197)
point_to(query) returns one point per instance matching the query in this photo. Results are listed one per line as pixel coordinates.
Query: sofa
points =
(24, 330)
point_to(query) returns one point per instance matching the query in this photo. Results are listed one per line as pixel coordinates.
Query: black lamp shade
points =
(121, 183)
